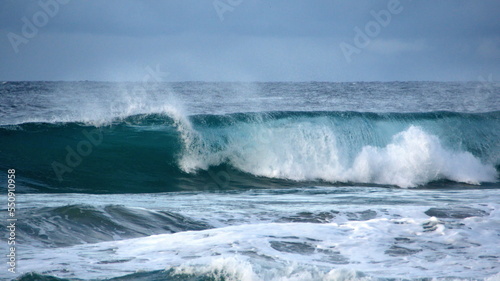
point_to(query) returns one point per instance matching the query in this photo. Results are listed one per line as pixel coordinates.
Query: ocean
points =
(250, 181)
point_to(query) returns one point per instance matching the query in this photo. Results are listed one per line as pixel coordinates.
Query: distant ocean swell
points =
(167, 152)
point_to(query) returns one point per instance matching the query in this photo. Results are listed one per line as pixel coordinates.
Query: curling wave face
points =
(170, 152)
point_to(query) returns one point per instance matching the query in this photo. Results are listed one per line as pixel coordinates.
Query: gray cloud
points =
(257, 40)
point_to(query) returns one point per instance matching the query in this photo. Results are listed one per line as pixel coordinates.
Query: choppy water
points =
(262, 181)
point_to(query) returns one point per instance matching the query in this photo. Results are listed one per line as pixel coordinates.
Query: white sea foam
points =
(495, 277)
(247, 252)
(229, 268)
(415, 157)
(310, 151)
(398, 241)
(238, 269)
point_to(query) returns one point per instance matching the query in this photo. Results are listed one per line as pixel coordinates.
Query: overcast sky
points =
(249, 40)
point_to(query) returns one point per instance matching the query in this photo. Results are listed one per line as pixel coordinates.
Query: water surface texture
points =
(253, 181)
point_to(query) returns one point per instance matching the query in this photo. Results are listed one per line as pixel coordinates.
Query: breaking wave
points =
(171, 152)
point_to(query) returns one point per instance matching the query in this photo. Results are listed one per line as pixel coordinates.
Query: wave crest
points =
(308, 151)
(171, 151)
(414, 158)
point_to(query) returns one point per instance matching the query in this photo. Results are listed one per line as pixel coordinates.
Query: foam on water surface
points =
(265, 240)
(326, 157)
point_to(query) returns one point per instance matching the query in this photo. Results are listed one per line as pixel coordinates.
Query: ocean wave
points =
(170, 151)
(80, 224)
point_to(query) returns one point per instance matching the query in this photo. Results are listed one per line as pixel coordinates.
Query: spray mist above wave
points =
(96, 105)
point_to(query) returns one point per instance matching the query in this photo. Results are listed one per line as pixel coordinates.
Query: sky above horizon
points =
(243, 40)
